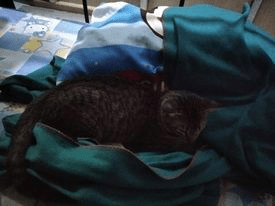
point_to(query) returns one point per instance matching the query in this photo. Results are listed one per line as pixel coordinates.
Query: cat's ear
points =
(181, 98)
(209, 105)
(194, 100)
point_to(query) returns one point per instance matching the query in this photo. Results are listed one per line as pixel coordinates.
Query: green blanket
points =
(207, 50)
(218, 54)
(102, 175)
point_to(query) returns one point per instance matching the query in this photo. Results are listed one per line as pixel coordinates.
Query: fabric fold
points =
(218, 54)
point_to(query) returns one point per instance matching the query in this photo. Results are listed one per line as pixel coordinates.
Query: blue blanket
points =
(118, 39)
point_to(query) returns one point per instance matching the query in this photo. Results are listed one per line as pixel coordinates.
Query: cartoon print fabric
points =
(34, 40)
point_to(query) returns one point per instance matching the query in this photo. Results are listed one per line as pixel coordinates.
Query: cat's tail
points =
(21, 140)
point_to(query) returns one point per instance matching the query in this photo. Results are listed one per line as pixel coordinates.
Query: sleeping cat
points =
(113, 109)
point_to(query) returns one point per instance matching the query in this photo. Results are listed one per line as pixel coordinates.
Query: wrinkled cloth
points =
(207, 50)
(216, 53)
(118, 39)
(108, 175)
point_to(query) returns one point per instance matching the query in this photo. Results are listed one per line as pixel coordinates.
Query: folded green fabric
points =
(24, 89)
(102, 175)
(217, 54)
(107, 175)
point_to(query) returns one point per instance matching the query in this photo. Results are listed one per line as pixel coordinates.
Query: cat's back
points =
(103, 89)
(112, 108)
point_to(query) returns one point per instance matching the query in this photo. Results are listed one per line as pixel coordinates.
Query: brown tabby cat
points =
(113, 109)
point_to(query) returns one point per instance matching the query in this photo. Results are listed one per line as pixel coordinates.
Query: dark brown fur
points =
(111, 110)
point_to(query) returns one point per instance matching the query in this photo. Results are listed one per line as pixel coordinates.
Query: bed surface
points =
(28, 42)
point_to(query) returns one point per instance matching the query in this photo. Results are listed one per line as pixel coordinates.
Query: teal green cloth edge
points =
(24, 89)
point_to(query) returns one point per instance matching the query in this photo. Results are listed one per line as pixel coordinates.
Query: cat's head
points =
(183, 115)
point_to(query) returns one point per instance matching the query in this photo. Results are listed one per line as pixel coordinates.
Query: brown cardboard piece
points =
(265, 16)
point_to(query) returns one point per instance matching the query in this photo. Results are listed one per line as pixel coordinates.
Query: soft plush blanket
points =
(218, 54)
(210, 51)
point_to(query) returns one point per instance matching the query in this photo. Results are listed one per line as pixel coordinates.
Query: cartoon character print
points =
(32, 45)
(42, 40)
(37, 27)
(37, 30)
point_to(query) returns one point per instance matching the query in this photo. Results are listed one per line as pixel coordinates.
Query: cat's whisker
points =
(173, 114)
(162, 86)
(155, 87)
